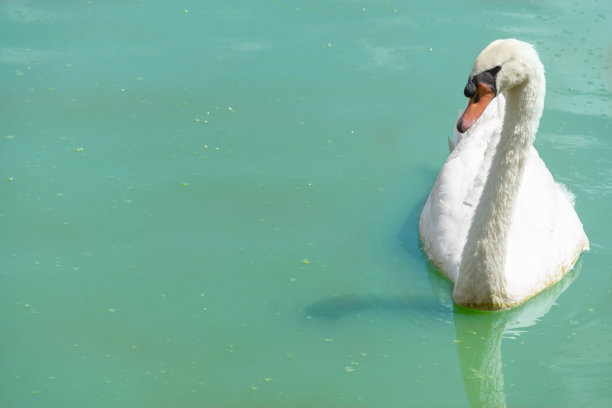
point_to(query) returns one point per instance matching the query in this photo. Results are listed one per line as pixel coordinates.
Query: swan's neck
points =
(482, 279)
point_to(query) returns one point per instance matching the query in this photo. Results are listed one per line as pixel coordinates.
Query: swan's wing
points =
(449, 209)
(546, 236)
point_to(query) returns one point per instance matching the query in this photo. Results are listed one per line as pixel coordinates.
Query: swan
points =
(495, 222)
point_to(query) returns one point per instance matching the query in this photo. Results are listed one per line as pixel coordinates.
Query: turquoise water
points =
(215, 204)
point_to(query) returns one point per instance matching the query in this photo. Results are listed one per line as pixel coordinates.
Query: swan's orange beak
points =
(477, 104)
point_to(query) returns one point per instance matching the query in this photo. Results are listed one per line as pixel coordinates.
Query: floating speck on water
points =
(10, 179)
(267, 380)
(79, 149)
(111, 310)
(306, 261)
(253, 388)
(328, 340)
(185, 184)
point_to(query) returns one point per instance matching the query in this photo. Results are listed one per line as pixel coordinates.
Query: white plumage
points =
(495, 222)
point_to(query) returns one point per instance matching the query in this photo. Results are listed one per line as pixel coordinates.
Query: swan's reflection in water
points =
(479, 342)
(478, 334)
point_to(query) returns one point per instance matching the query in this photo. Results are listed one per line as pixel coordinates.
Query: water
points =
(209, 204)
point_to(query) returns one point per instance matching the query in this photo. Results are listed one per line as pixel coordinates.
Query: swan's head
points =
(501, 66)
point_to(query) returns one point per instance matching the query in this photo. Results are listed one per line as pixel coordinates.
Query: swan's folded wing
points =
(450, 206)
(546, 236)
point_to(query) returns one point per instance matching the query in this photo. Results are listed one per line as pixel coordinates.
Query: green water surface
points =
(215, 204)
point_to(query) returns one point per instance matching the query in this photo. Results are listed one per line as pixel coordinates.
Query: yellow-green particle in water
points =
(306, 261)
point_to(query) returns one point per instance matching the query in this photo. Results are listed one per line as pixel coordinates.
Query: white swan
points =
(495, 222)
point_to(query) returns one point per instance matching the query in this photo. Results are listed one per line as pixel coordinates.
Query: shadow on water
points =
(409, 231)
(336, 307)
